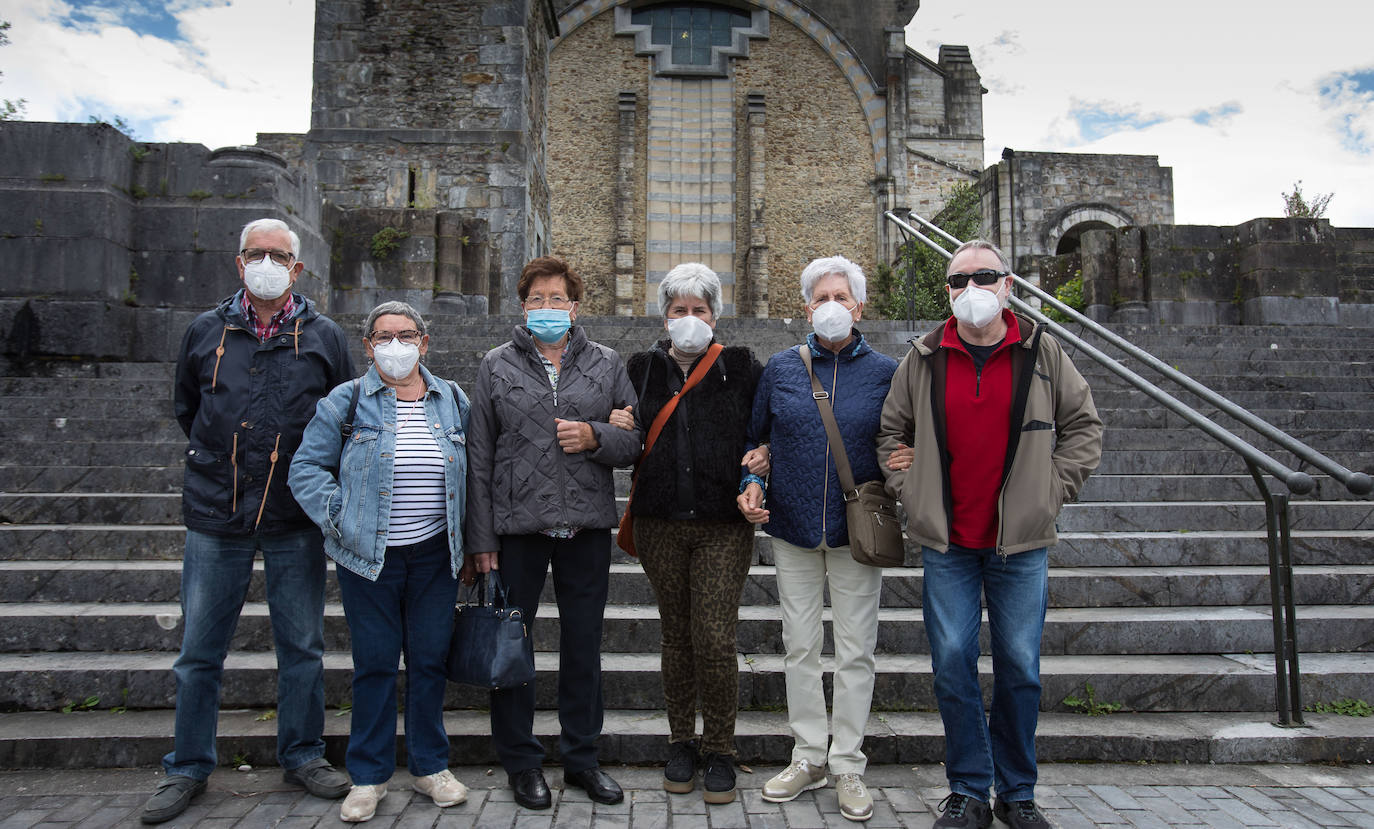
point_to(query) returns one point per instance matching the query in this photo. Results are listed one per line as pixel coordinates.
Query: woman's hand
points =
(474, 563)
(901, 458)
(750, 503)
(575, 436)
(757, 460)
(621, 418)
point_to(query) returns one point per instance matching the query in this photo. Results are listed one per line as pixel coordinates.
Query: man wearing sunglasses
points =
(988, 430)
(247, 379)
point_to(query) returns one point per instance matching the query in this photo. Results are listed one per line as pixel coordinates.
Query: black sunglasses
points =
(986, 276)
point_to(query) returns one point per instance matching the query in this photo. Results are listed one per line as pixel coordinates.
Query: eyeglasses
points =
(986, 276)
(411, 337)
(252, 256)
(548, 302)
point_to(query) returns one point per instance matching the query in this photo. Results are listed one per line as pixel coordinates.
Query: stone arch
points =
(873, 105)
(1072, 221)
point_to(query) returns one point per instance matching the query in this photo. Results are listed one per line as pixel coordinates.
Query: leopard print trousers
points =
(697, 570)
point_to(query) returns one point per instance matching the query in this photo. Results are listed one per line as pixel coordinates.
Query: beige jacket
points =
(1059, 445)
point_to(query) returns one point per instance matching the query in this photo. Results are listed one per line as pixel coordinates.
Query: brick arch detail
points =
(873, 105)
(1077, 214)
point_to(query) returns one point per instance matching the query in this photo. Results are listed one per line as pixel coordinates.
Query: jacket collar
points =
(858, 348)
(372, 381)
(230, 309)
(931, 342)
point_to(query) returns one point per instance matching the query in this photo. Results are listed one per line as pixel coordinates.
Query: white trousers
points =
(854, 594)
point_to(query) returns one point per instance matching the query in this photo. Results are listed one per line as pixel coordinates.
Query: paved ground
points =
(1096, 795)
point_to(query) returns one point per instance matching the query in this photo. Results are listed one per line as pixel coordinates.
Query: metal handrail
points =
(1288, 692)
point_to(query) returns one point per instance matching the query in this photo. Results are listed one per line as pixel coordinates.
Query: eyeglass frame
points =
(982, 276)
(410, 336)
(559, 303)
(247, 260)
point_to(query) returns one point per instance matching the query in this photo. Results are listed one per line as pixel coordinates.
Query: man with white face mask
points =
(988, 430)
(247, 379)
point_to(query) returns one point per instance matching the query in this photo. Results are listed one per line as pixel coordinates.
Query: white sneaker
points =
(443, 787)
(855, 801)
(799, 777)
(361, 803)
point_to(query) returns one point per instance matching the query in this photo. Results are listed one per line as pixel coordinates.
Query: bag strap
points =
(832, 429)
(346, 428)
(666, 412)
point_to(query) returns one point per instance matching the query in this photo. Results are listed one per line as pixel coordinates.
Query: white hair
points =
(690, 279)
(270, 224)
(982, 244)
(858, 285)
(397, 308)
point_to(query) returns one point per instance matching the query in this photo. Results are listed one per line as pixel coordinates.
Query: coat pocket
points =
(207, 483)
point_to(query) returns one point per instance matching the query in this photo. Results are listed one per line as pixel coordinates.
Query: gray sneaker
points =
(799, 777)
(1020, 814)
(172, 797)
(319, 778)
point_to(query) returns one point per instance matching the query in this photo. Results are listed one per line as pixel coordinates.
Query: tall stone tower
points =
(428, 119)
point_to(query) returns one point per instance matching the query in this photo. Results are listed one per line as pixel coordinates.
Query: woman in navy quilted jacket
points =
(802, 507)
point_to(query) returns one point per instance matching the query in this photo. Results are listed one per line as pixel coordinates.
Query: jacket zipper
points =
(825, 469)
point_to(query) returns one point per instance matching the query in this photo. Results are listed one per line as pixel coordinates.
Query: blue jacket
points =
(241, 403)
(345, 488)
(805, 503)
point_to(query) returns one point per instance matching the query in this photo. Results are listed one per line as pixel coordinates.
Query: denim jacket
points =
(344, 484)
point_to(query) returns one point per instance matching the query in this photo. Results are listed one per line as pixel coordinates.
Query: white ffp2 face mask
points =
(832, 321)
(976, 307)
(690, 335)
(396, 359)
(266, 280)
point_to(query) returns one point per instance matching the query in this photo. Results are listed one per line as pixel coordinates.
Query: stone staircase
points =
(1159, 587)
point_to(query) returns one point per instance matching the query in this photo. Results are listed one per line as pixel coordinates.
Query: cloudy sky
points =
(1240, 97)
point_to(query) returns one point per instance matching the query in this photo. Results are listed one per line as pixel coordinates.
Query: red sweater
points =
(977, 428)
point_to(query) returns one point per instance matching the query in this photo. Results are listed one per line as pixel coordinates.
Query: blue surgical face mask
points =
(548, 325)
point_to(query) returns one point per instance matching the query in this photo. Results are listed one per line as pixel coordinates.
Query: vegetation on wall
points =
(915, 287)
(9, 110)
(1298, 206)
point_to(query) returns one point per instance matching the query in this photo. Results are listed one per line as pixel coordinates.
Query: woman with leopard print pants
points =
(695, 547)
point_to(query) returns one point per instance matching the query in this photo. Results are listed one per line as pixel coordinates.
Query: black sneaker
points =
(679, 776)
(719, 779)
(1020, 813)
(963, 812)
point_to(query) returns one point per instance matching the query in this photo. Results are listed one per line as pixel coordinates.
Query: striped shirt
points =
(417, 482)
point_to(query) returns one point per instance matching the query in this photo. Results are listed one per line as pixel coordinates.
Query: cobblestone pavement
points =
(1073, 796)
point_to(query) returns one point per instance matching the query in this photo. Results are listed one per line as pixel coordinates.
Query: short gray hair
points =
(982, 244)
(395, 306)
(690, 279)
(858, 285)
(270, 224)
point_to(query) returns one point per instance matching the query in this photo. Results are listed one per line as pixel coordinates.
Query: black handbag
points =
(491, 645)
(875, 523)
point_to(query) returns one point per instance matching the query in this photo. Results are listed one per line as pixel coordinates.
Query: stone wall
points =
(437, 106)
(1266, 271)
(1033, 201)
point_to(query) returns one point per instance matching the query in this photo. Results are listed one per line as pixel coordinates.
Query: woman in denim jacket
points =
(388, 491)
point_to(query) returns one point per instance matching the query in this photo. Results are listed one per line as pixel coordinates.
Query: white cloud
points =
(239, 70)
(1257, 67)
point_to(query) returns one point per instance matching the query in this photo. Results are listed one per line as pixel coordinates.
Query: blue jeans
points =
(407, 610)
(998, 749)
(214, 581)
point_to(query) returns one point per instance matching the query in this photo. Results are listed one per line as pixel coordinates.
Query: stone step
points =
(1324, 440)
(1140, 586)
(30, 542)
(145, 479)
(1193, 488)
(138, 739)
(1183, 683)
(27, 627)
(1288, 420)
(1111, 397)
(1218, 461)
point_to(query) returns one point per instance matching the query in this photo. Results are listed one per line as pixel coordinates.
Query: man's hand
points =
(757, 460)
(621, 418)
(575, 436)
(750, 503)
(901, 458)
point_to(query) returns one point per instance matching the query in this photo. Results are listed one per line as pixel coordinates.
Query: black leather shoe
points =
(598, 785)
(172, 797)
(531, 790)
(319, 778)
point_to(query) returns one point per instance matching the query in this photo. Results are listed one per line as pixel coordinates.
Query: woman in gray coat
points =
(550, 420)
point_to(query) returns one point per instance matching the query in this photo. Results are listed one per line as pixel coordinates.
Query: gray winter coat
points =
(519, 480)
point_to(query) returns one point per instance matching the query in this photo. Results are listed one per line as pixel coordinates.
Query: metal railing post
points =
(1277, 602)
